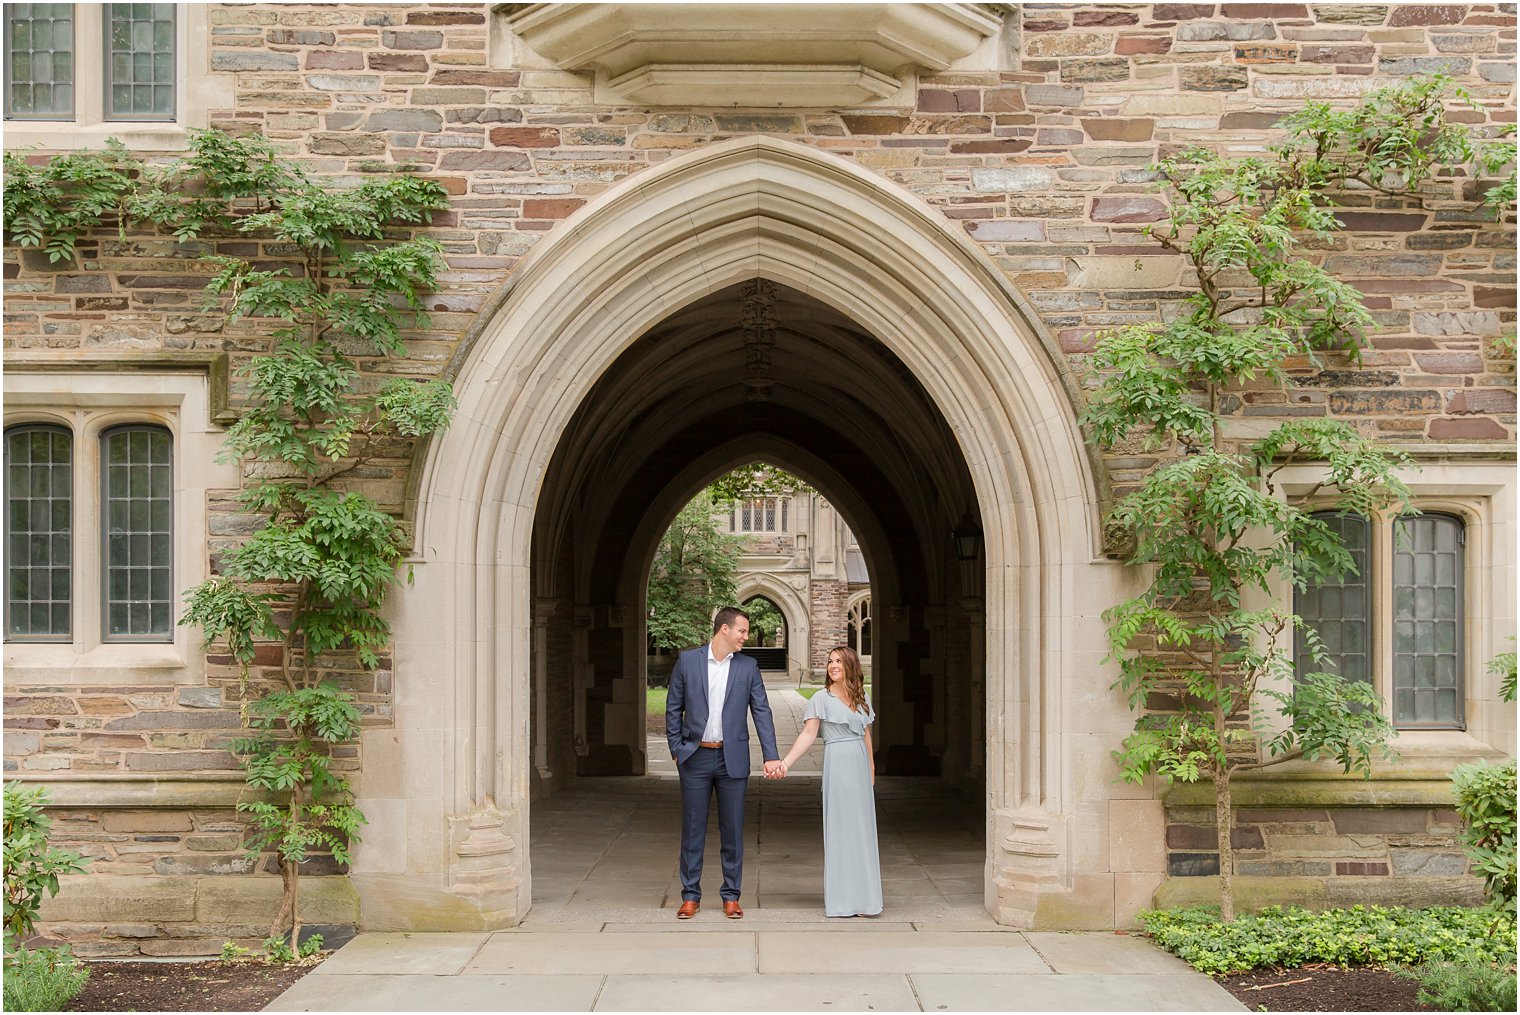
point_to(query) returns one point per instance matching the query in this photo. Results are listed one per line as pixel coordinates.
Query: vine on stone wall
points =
(1210, 523)
(314, 577)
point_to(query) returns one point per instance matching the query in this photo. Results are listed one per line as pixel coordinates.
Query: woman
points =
(851, 867)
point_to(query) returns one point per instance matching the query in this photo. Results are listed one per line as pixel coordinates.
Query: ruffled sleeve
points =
(814, 707)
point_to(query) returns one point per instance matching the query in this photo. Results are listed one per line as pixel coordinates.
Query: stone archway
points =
(793, 613)
(753, 207)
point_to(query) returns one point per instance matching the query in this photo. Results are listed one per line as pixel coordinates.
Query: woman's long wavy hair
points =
(854, 678)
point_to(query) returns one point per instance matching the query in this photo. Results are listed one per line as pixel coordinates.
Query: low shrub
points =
(32, 866)
(1361, 935)
(1486, 802)
(1470, 984)
(42, 979)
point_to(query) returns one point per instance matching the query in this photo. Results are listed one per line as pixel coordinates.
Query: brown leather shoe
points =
(688, 909)
(731, 909)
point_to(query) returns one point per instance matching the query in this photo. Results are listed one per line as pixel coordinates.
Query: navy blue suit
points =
(725, 771)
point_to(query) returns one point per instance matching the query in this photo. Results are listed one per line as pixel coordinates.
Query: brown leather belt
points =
(709, 743)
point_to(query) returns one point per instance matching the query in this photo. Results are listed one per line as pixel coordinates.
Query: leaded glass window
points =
(39, 61)
(140, 62)
(1340, 611)
(1428, 620)
(138, 507)
(39, 502)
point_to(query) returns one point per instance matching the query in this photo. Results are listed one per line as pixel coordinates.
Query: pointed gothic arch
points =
(746, 208)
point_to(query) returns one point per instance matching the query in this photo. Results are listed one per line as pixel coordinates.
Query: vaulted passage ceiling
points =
(741, 365)
(754, 371)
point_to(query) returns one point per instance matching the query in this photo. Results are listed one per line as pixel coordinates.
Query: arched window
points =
(1340, 612)
(39, 521)
(1399, 620)
(137, 484)
(762, 514)
(1428, 620)
(859, 634)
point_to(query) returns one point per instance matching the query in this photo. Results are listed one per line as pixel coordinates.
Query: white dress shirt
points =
(717, 690)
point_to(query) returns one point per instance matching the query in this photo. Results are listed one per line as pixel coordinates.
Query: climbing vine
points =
(1210, 521)
(312, 579)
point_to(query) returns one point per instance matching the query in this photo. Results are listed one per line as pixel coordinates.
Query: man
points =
(710, 689)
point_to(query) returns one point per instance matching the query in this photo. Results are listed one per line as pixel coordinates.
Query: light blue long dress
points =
(851, 865)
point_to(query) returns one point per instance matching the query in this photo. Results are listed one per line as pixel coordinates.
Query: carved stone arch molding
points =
(447, 788)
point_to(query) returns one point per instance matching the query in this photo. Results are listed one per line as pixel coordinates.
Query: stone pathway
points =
(602, 934)
(719, 965)
(605, 851)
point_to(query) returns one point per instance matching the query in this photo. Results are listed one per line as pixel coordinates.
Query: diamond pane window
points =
(140, 62)
(39, 500)
(1340, 611)
(1428, 620)
(138, 507)
(39, 61)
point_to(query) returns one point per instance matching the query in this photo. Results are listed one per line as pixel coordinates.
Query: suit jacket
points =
(686, 710)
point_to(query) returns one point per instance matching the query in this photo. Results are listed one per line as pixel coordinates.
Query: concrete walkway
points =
(713, 964)
(602, 934)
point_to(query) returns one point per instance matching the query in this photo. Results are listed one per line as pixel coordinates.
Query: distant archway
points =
(792, 608)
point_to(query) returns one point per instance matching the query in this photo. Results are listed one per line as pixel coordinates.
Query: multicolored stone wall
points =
(1044, 165)
(828, 612)
(1325, 855)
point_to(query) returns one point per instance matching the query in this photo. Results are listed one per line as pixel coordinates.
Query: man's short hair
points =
(726, 617)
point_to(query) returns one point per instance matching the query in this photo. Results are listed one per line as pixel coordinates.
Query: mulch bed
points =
(1324, 988)
(184, 986)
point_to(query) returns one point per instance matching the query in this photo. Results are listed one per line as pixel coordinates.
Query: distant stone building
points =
(801, 555)
(869, 243)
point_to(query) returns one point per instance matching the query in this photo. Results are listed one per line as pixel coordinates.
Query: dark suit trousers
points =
(701, 775)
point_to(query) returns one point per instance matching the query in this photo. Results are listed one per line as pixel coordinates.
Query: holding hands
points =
(775, 770)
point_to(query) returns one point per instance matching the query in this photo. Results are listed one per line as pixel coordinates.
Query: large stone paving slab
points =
(1100, 953)
(759, 920)
(920, 951)
(985, 992)
(430, 954)
(778, 992)
(376, 992)
(614, 953)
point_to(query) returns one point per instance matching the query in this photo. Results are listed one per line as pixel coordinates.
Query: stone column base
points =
(417, 902)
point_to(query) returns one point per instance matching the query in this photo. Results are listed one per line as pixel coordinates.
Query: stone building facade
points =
(940, 206)
(800, 554)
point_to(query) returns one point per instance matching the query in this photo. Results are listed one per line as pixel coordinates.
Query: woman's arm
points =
(871, 755)
(804, 741)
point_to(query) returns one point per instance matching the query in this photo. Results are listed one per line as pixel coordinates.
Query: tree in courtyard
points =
(765, 620)
(1210, 523)
(758, 479)
(693, 576)
(349, 276)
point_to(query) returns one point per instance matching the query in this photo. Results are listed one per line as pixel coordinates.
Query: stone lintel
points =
(732, 84)
(203, 789)
(661, 54)
(213, 364)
